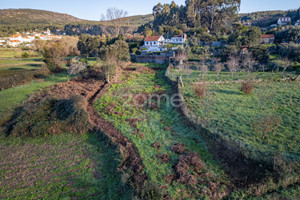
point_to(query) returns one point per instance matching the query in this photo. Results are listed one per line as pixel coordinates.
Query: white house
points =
(178, 39)
(14, 43)
(297, 22)
(154, 43)
(284, 21)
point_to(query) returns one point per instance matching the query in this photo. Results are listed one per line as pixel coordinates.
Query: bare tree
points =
(113, 25)
(204, 70)
(218, 67)
(248, 62)
(233, 64)
(284, 63)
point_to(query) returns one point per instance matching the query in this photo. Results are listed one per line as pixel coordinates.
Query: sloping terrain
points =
(32, 16)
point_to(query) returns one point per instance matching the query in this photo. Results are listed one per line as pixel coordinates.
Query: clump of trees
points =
(89, 45)
(210, 15)
(54, 52)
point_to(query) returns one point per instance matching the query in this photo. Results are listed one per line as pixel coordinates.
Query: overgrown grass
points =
(234, 114)
(191, 76)
(162, 125)
(65, 166)
(12, 97)
(15, 52)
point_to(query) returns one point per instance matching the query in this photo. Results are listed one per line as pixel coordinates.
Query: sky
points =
(92, 9)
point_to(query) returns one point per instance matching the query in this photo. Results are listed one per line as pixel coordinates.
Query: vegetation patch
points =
(50, 116)
(65, 166)
(154, 132)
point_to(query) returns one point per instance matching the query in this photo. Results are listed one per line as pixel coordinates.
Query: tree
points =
(233, 64)
(113, 16)
(260, 53)
(248, 62)
(284, 63)
(252, 36)
(109, 70)
(218, 67)
(119, 51)
(54, 52)
(89, 44)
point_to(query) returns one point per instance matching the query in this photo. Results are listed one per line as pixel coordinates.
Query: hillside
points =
(41, 17)
(31, 16)
(266, 18)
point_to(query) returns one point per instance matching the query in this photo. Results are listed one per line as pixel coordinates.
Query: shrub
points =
(76, 68)
(50, 116)
(247, 87)
(151, 192)
(266, 124)
(25, 55)
(200, 90)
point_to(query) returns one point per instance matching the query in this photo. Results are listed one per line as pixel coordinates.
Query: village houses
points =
(157, 43)
(27, 38)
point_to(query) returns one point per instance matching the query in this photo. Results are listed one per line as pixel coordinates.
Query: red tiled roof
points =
(15, 40)
(152, 38)
(268, 36)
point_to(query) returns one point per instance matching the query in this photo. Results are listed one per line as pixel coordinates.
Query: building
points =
(154, 43)
(178, 39)
(284, 21)
(267, 39)
(13, 43)
(297, 22)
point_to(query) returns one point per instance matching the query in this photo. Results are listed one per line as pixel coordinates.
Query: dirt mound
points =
(157, 145)
(59, 108)
(178, 148)
(147, 70)
(50, 116)
(165, 158)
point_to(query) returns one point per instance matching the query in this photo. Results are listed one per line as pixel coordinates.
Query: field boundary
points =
(245, 164)
(131, 157)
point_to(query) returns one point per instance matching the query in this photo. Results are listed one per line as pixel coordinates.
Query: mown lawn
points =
(64, 166)
(158, 125)
(238, 116)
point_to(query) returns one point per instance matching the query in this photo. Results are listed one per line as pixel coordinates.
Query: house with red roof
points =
(267, 39)
(154, 43)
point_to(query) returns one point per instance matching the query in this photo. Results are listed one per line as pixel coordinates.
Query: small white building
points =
(284, 21)
(14, 43)
(154, 43)
(297, 22)
(178, 39)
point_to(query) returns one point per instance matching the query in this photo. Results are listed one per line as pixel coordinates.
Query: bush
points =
(266, 124)
(151, 192)
(25, 55)
(76, 68)
(247, 87)
(50, 116)
(200, 90)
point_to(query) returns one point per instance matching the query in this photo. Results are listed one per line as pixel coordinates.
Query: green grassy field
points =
(15, 52)
(163, 125)
(191, 76)
(241, 116)
(12, 97)
(64, 166)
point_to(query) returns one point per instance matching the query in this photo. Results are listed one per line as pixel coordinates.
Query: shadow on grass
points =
(109, 182)
(228, 92)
